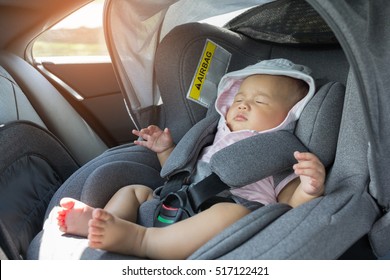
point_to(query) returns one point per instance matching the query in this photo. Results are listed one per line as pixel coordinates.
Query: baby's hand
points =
(311, 172)
(155, 139)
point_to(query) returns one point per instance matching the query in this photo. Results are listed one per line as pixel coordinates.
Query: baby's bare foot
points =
(73, 216)
(111, 233)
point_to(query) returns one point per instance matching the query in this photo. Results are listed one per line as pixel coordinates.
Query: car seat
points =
(326, 228)
(43, 141)
(333, 57)
(97, 187)
(83, 185)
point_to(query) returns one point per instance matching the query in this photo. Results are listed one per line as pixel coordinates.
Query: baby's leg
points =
(74, 215)
(127, 200)
(177, 241)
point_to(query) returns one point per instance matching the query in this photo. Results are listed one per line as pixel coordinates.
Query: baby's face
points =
(262, 102)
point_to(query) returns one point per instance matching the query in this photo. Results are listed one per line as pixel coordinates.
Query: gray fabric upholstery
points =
(245, 228)
(286, 22)
(255, 158)
(379, 236)
(369, 56)
(319, 123)
(98, 180)
(187, 150)
(94, 184)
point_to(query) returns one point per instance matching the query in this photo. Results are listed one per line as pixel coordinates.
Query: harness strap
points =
(205, 189)
(179, 201)
(174, 184)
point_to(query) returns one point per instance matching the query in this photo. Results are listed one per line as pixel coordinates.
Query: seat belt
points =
(179, 201)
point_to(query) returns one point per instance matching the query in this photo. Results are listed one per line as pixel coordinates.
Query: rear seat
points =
(26, 95)
(33, 164)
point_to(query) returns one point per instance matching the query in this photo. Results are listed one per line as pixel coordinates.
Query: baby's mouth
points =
(240, 117)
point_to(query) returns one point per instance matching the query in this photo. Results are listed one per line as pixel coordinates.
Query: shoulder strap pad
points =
(256, 157)
(186, 153)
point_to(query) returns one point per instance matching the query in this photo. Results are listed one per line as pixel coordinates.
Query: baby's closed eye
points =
(261, 101)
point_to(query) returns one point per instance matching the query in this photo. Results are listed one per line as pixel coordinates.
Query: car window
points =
(78, 36)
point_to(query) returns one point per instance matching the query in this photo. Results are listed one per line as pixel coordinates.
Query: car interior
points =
(74, 146)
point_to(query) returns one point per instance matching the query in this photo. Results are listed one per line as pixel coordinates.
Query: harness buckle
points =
(173, 208)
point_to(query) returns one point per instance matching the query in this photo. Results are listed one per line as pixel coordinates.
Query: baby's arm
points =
(157, 140)
(311, 180)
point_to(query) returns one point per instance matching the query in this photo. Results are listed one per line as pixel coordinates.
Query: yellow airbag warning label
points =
(202, 70)
(211, 67)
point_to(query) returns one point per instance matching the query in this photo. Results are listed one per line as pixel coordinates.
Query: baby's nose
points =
(243, 106)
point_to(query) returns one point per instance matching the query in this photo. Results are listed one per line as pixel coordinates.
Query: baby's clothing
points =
(264, 191)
